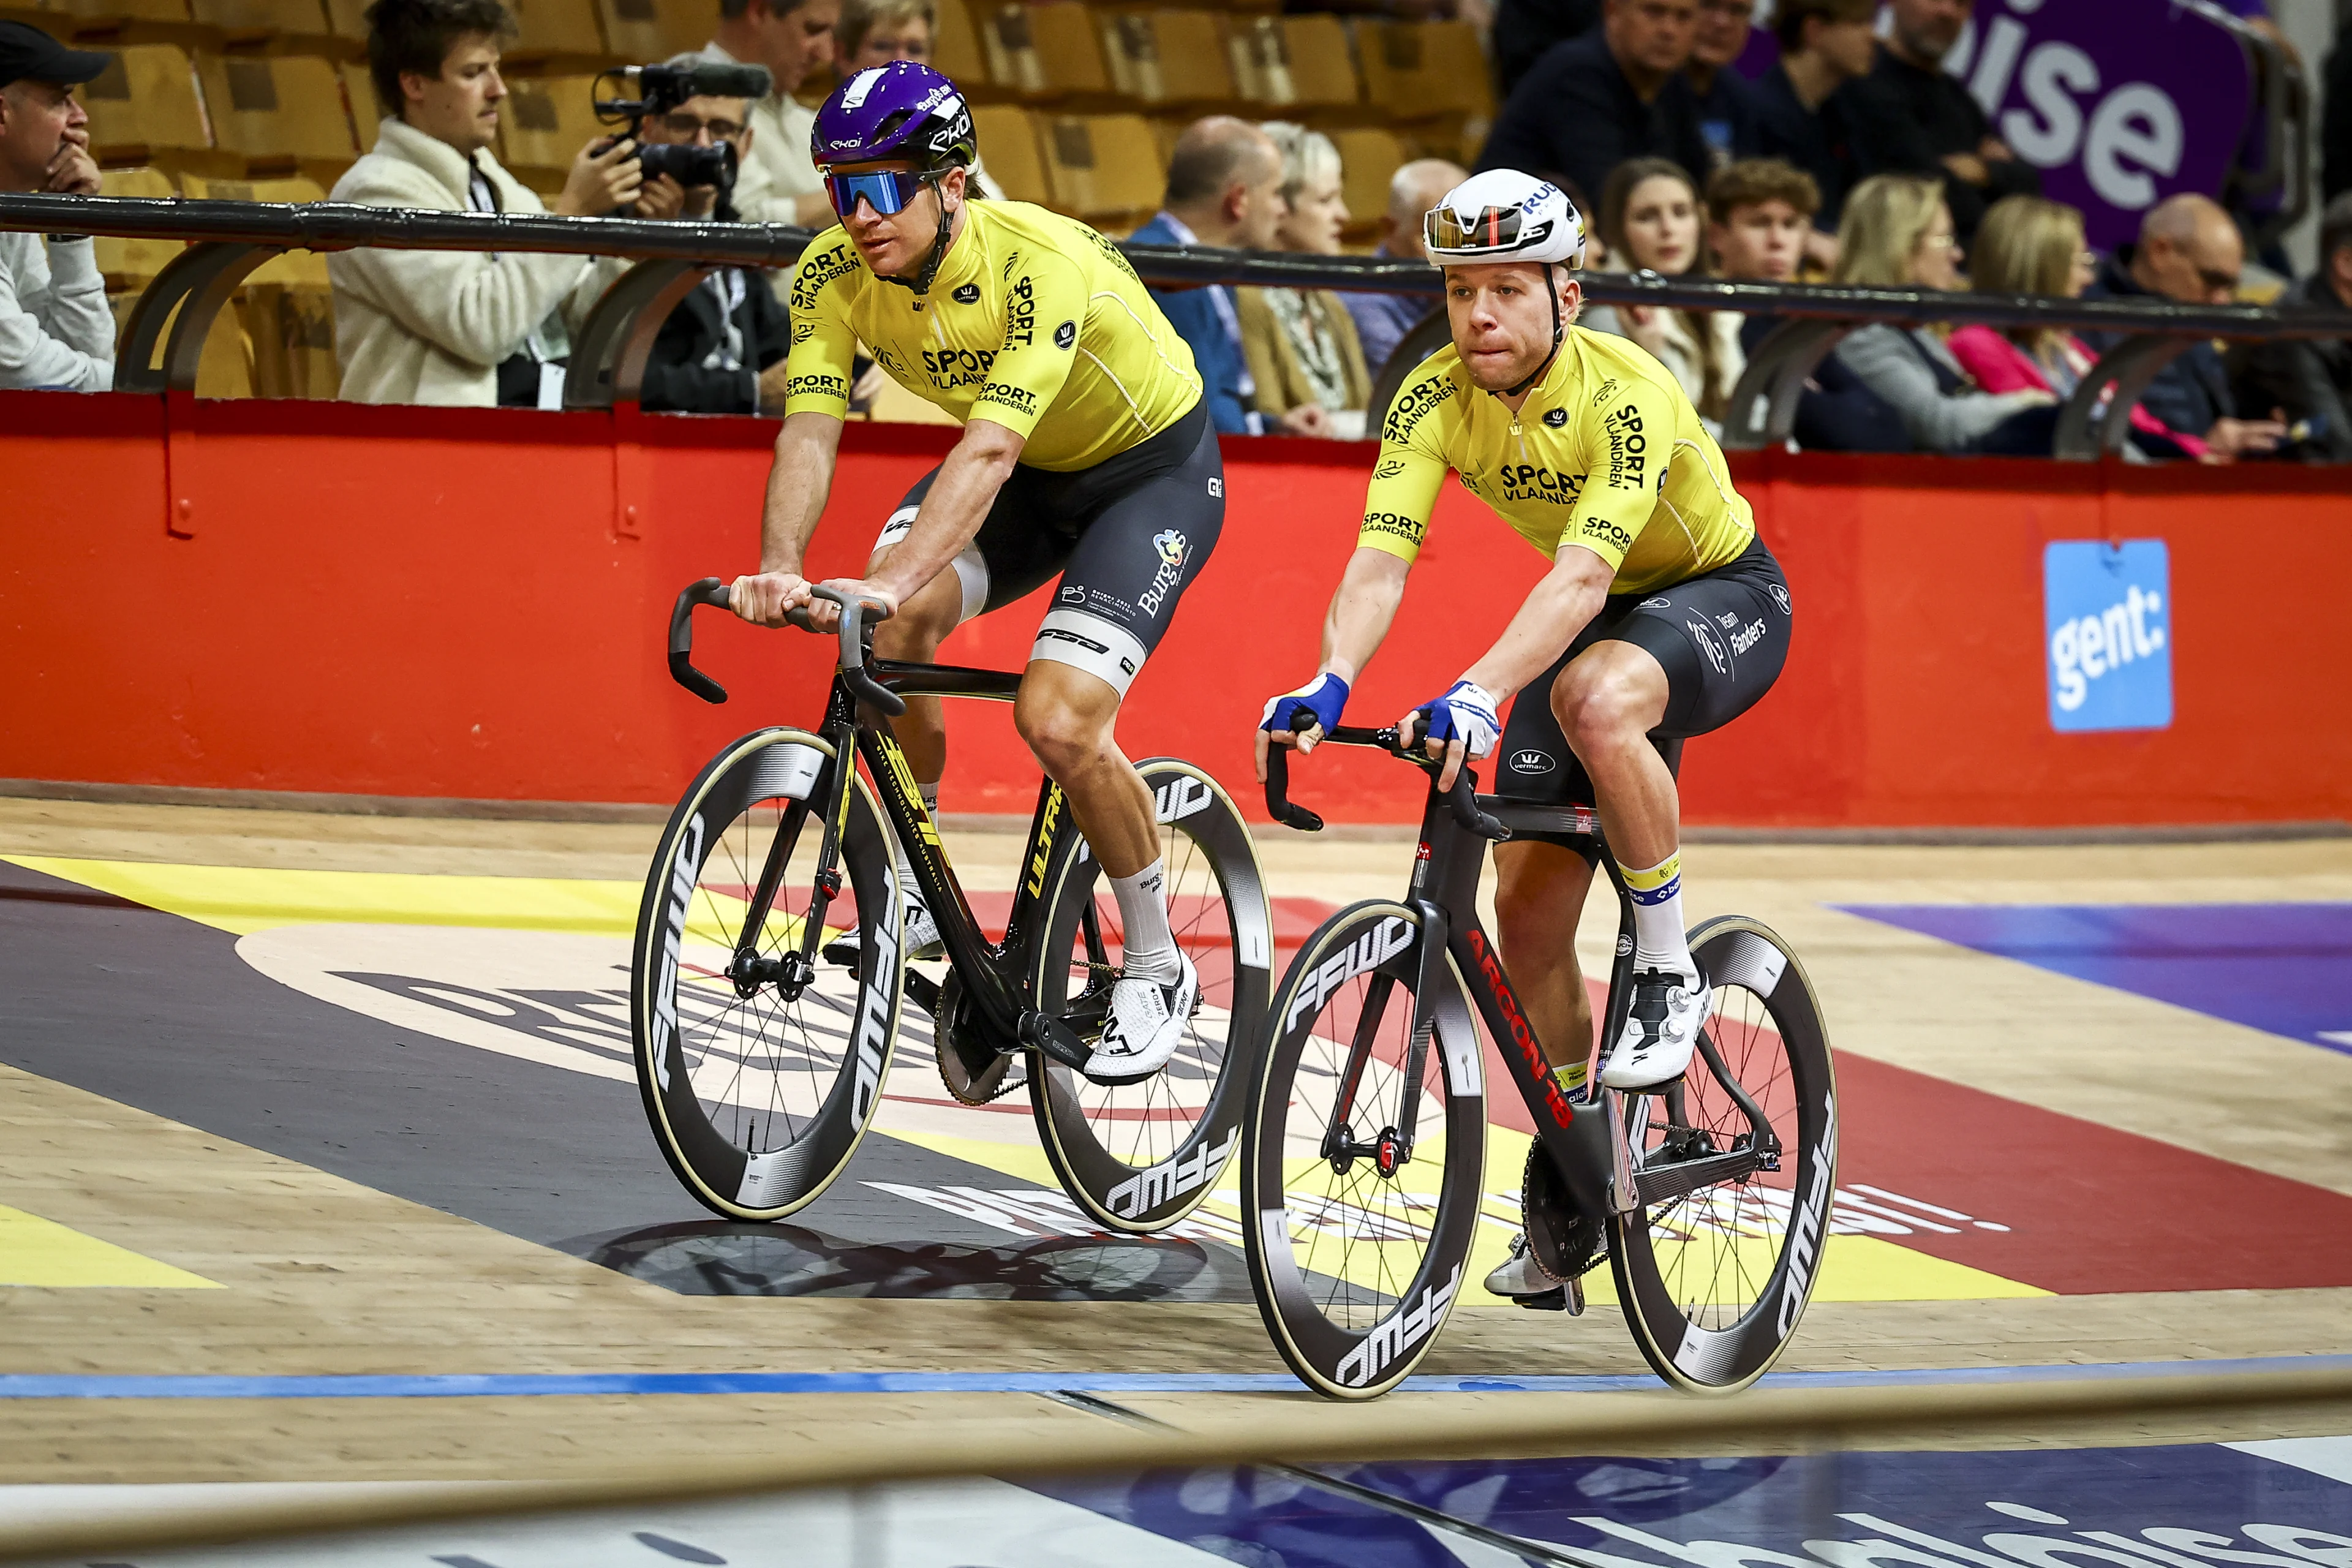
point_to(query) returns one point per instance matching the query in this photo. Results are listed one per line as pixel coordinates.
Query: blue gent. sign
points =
(2107, 617)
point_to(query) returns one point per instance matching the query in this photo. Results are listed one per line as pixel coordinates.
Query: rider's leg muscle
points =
(1608, 700)
(1066, 716)
(1539, 894)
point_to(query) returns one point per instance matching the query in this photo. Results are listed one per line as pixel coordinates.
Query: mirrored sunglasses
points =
(887, 191)
(1494, 228)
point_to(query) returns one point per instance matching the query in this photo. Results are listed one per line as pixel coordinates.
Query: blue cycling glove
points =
(1466, 713)
(1321, 698)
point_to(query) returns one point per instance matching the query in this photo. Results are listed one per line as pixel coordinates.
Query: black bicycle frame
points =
(866, 693)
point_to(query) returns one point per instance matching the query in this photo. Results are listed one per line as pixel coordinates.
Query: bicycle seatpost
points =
(852, 649)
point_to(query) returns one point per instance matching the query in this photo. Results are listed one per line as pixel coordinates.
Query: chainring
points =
(973, 1070)
(1566, 1243)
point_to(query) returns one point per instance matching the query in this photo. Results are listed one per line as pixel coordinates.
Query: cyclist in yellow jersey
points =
(1086, 453)
(1662, 616)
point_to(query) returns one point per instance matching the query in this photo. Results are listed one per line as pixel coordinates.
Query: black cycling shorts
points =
(1126, 537)
(1722, 638)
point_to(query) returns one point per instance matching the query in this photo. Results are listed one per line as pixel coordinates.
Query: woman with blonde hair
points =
(1301, 344)
(1896, 233)
(2027, 245)
(1652, 220)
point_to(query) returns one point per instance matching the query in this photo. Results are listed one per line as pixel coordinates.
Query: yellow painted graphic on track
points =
(41, 1252)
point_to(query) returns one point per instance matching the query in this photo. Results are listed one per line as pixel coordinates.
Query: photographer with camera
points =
(722, 349)
(459, 327)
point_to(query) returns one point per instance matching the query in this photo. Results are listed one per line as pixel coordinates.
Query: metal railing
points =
(164, 337)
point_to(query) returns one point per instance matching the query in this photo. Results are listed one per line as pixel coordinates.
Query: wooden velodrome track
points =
(218, 1162)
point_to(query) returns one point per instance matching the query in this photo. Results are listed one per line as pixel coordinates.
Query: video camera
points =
(661, 89)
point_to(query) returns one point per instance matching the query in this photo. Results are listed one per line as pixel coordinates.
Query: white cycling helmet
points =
(1504, 215)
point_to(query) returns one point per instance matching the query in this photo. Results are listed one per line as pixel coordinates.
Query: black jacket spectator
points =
(1575, 116)
(1817, 142)
(1835, 412)
(1902, 119)
(1525, 29)
(1725, 112)
(709, 354)
(2310, 378)
(2190, 393)
(2336, 121)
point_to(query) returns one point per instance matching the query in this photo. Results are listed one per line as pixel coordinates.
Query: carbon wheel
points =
(1142, 1156)
(1356, 1256)
(1737, 1164)
(760, 1069)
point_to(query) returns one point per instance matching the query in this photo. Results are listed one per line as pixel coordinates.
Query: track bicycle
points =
(769, 976)
(1708, 1197)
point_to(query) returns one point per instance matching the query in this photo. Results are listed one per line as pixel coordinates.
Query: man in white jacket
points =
(54, 329)
(792, 38)
(459, 327)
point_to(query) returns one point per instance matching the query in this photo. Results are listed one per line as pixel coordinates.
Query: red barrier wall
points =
(470, 604)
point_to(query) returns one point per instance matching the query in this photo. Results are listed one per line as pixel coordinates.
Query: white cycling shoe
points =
(1661, 1029)
(1520, 1273)
(919, 935)
(1145, 1027)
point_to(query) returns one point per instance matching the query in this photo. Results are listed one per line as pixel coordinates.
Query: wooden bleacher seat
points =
(360, 101)
(633, 31)
(956, 51)
(80, 17)
(147, 107)
(1165, 58)
(1322, 63)
(685, 25)
(1422, 71)
(1259, 60)
(1009, 150)
(557, 36)
(264, 21)
(280, 113)
(1369, 157)
(542, 126)
(1045, 52)
(1104, 168)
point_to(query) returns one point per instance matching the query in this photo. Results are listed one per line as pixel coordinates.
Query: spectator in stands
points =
(2030, 246)
(2309, 379)
(55, 331)
(721, 350)
(1593, 103)
(876, 32)
(1301, 344)
(1760, 215)
(792, 38)
(1383, 319)
(1225, 189)
(1525, 30)
(1724, 98)
(1910, 116)
(2189, 251)
(1800, 116)
(466, 327)
(1650, 218)
(1897, 233)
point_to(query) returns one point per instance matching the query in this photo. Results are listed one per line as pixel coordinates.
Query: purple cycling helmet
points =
(904, 111)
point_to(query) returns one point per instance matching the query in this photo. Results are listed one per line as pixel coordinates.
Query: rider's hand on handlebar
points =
(1461, 726)
(825, 617)
(1322, 700)
(764, 599)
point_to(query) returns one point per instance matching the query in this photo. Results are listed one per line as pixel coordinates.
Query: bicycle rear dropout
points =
(1363, 1167)
(770, 978)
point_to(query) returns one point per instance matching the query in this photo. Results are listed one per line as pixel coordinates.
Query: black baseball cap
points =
(27, 54)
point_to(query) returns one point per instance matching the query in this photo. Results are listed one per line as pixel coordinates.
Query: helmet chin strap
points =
(1559, 334)
(921, 282)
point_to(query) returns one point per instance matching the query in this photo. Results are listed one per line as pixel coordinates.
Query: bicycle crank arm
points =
(1044, 1032)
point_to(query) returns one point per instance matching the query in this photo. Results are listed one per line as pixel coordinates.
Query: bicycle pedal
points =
(841, 951)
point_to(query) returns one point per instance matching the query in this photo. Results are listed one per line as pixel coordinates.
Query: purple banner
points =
(2120, 103)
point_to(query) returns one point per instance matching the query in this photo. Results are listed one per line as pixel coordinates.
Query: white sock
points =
(1659, 941)
(1143, 915)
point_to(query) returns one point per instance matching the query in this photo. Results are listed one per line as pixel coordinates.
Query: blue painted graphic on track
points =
(2284, 968)
(2200, 1506)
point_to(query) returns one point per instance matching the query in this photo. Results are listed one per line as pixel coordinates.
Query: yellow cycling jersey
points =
(1034, 322)
(1606, 453)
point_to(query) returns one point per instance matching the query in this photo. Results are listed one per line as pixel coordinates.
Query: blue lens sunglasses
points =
(887, 191)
